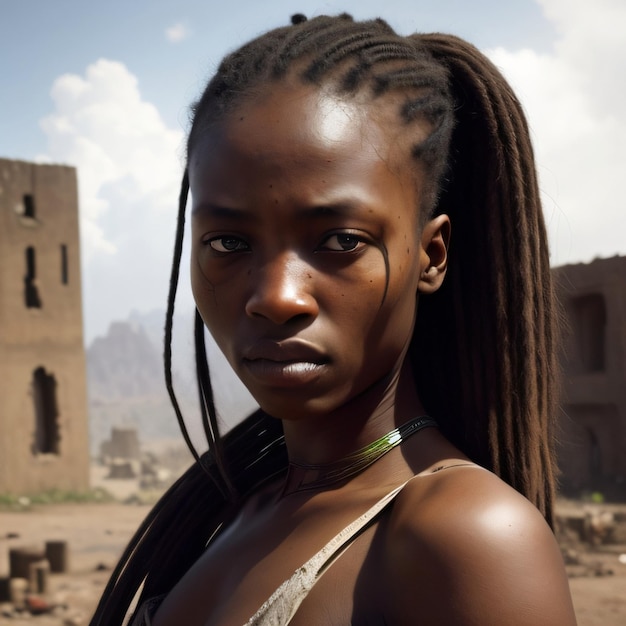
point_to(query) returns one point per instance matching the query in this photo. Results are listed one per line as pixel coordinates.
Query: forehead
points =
(287, 125)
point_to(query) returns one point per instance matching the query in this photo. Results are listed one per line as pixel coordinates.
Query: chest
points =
(250, 559)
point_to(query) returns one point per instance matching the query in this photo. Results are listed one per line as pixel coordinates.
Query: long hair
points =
(489, 376)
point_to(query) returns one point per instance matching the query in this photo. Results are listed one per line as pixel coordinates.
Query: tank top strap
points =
(281, 606)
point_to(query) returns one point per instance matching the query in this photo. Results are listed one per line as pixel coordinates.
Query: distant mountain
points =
(123, 364)
(126, 384)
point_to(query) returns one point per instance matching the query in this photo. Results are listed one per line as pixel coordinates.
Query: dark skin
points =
(295, 194)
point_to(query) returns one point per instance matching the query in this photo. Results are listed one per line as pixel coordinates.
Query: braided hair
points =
(489, 331)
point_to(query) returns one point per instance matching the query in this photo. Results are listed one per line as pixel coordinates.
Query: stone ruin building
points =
(592, 435)
(43, 399)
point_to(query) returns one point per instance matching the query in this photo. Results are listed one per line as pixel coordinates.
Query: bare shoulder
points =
(462, 547)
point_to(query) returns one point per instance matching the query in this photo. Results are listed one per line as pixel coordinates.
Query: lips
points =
(284, 363)
(286, 350)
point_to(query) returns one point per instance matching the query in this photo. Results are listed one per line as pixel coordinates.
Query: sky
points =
(106, 87)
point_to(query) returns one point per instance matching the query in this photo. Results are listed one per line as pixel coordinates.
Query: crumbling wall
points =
(43, 405)
(592, 435)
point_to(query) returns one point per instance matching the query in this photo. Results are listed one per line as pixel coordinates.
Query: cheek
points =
(206, 296)
(395, 324)
(381, 330)
(397, 314)
(203, 291)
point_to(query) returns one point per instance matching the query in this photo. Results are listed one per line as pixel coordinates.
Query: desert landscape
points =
(593, 539)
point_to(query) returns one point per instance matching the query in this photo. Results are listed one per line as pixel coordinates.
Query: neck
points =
(323, 439)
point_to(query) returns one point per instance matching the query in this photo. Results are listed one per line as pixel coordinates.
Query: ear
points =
(434, 254)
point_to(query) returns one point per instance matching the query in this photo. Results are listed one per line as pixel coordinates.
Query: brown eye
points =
(342, 242)
(225, 244)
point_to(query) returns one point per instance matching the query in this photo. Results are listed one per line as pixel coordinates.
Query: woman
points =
(369, 253)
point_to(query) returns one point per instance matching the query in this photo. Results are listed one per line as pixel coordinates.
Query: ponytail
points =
(492, 326)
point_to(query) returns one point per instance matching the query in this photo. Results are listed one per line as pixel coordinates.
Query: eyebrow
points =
(336, 209)
(215, 210)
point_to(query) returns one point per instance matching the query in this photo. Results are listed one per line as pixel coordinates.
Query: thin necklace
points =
(324, 475)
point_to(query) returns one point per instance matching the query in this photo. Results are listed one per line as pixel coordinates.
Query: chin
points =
(294, 406)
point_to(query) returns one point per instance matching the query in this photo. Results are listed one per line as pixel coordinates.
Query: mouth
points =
(295, 350)
(284, 363)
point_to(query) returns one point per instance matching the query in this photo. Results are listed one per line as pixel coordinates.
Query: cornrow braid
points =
(483, 347)
(314, 35)
(348, 56)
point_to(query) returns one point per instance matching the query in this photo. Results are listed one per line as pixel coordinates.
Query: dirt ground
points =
(97, 533)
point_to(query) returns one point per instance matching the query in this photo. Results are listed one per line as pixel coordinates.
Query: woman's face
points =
(296, 197)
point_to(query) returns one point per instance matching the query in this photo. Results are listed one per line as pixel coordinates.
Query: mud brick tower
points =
(593, 420)
(43, 404)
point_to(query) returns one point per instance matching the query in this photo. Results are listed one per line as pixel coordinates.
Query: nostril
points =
(282, 290)
(281, 306)
(282, 312)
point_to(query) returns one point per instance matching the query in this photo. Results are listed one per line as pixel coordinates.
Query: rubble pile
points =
(591, 539)
(26, 590)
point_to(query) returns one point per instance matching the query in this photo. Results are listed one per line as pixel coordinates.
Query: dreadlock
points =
(489, 331)
(496, 339)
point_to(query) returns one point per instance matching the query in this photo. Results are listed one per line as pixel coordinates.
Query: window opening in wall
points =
(46, 413)
(595, 457)
(590, 330)
(29, 205)
(64, 274)
(31, 293)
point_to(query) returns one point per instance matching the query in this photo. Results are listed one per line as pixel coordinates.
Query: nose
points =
(281, 291)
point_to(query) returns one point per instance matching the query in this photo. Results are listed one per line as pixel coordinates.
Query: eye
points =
(228, 243)
(342, 242)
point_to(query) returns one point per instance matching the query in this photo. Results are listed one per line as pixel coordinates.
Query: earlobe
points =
(434, 254)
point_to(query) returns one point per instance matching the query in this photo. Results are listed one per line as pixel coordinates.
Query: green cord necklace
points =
(324, 475)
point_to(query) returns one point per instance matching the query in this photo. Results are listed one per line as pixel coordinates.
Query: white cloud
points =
(129, 175)
(573, 97)
(177, 32)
